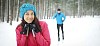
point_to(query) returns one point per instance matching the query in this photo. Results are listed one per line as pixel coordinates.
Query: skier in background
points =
(59, 18)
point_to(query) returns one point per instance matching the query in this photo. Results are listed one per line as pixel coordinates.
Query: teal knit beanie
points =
(25, 7)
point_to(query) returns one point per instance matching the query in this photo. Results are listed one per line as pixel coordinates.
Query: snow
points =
(83, 31)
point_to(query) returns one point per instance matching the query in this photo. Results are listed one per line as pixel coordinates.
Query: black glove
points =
(24, 30)
(32, 28)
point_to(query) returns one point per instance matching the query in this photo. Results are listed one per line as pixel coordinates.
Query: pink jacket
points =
(41, 38)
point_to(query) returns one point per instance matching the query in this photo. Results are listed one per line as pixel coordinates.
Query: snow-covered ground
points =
(83, 31)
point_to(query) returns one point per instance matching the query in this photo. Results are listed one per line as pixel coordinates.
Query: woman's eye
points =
(27, 14)
(31, 13)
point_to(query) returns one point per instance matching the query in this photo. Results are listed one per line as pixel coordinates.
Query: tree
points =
(11, 11)
(79, 8)
(0, 9)
(3, 10)
(17, 14)
(8, 11)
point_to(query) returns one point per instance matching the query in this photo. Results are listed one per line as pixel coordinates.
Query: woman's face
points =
(29, 16)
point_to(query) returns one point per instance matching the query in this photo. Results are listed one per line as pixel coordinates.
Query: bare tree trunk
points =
(47, 8)
(44, 9)
(79, 8)
(42, 5)
(83, 7)
(74, 10)
(11, 9)
(37, 7)
(39, 10)
(93, 8)
(14, 10)
(51, 8)
(8, 13)
(17, 14)
(1, 10)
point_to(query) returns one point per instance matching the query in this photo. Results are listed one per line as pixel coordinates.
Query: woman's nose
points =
(30, 16)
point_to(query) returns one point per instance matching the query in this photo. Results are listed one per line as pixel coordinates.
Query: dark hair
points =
(35, 21)
(58, 9)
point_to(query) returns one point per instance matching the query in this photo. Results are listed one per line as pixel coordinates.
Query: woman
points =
(31, 31)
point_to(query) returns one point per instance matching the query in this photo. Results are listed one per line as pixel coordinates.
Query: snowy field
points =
(83, 31)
